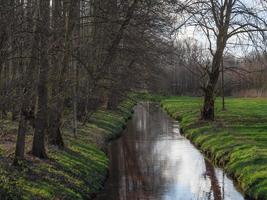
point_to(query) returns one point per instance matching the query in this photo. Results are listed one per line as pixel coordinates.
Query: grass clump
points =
(236, 140)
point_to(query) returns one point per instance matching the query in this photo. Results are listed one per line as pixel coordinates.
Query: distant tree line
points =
(244, 76)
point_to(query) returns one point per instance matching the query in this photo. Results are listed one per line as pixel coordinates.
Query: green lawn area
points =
(76, 172)
(236, 141)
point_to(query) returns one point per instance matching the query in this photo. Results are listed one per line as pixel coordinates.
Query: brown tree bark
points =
(57, 107)
(38, 147)
(222, 20)
(54, 115)
(208, 110)
(54, 129)
(20, 144)
(27, 93)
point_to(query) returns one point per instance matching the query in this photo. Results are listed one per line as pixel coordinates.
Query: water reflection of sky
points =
(184, 170)
(154, 162)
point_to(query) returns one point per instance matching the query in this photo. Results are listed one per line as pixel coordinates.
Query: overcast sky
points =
(199, 36)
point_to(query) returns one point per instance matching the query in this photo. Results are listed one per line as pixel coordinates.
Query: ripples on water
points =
(152, 161)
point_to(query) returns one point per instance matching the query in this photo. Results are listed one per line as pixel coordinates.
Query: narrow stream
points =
(152, 161)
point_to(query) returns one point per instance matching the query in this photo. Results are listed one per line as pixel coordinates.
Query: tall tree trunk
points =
(208, 110)
(56, 111)
(75, 99)
(54, 121)
(26, 90)
(76, 46)
(38, 147)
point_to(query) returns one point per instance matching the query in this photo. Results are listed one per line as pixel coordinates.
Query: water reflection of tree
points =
(138, 159)
(142, 167)
(215, 185)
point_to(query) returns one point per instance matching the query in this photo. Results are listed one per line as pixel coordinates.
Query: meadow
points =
(236, 140)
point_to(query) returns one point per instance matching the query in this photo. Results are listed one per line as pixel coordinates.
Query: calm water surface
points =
(152, 161)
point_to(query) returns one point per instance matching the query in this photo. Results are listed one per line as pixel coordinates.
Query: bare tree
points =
(221, 22)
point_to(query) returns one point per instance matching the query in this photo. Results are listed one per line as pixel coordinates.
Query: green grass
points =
(77, 172)
(146, 96)
(237, 140)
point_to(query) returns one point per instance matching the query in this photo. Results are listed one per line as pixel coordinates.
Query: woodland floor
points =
(76, 172)
(236, 141)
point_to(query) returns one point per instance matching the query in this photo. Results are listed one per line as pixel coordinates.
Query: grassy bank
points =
(237, 140)
(77, 172)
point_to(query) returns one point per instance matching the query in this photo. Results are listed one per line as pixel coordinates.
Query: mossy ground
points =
(76, 172)
(236, 140)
